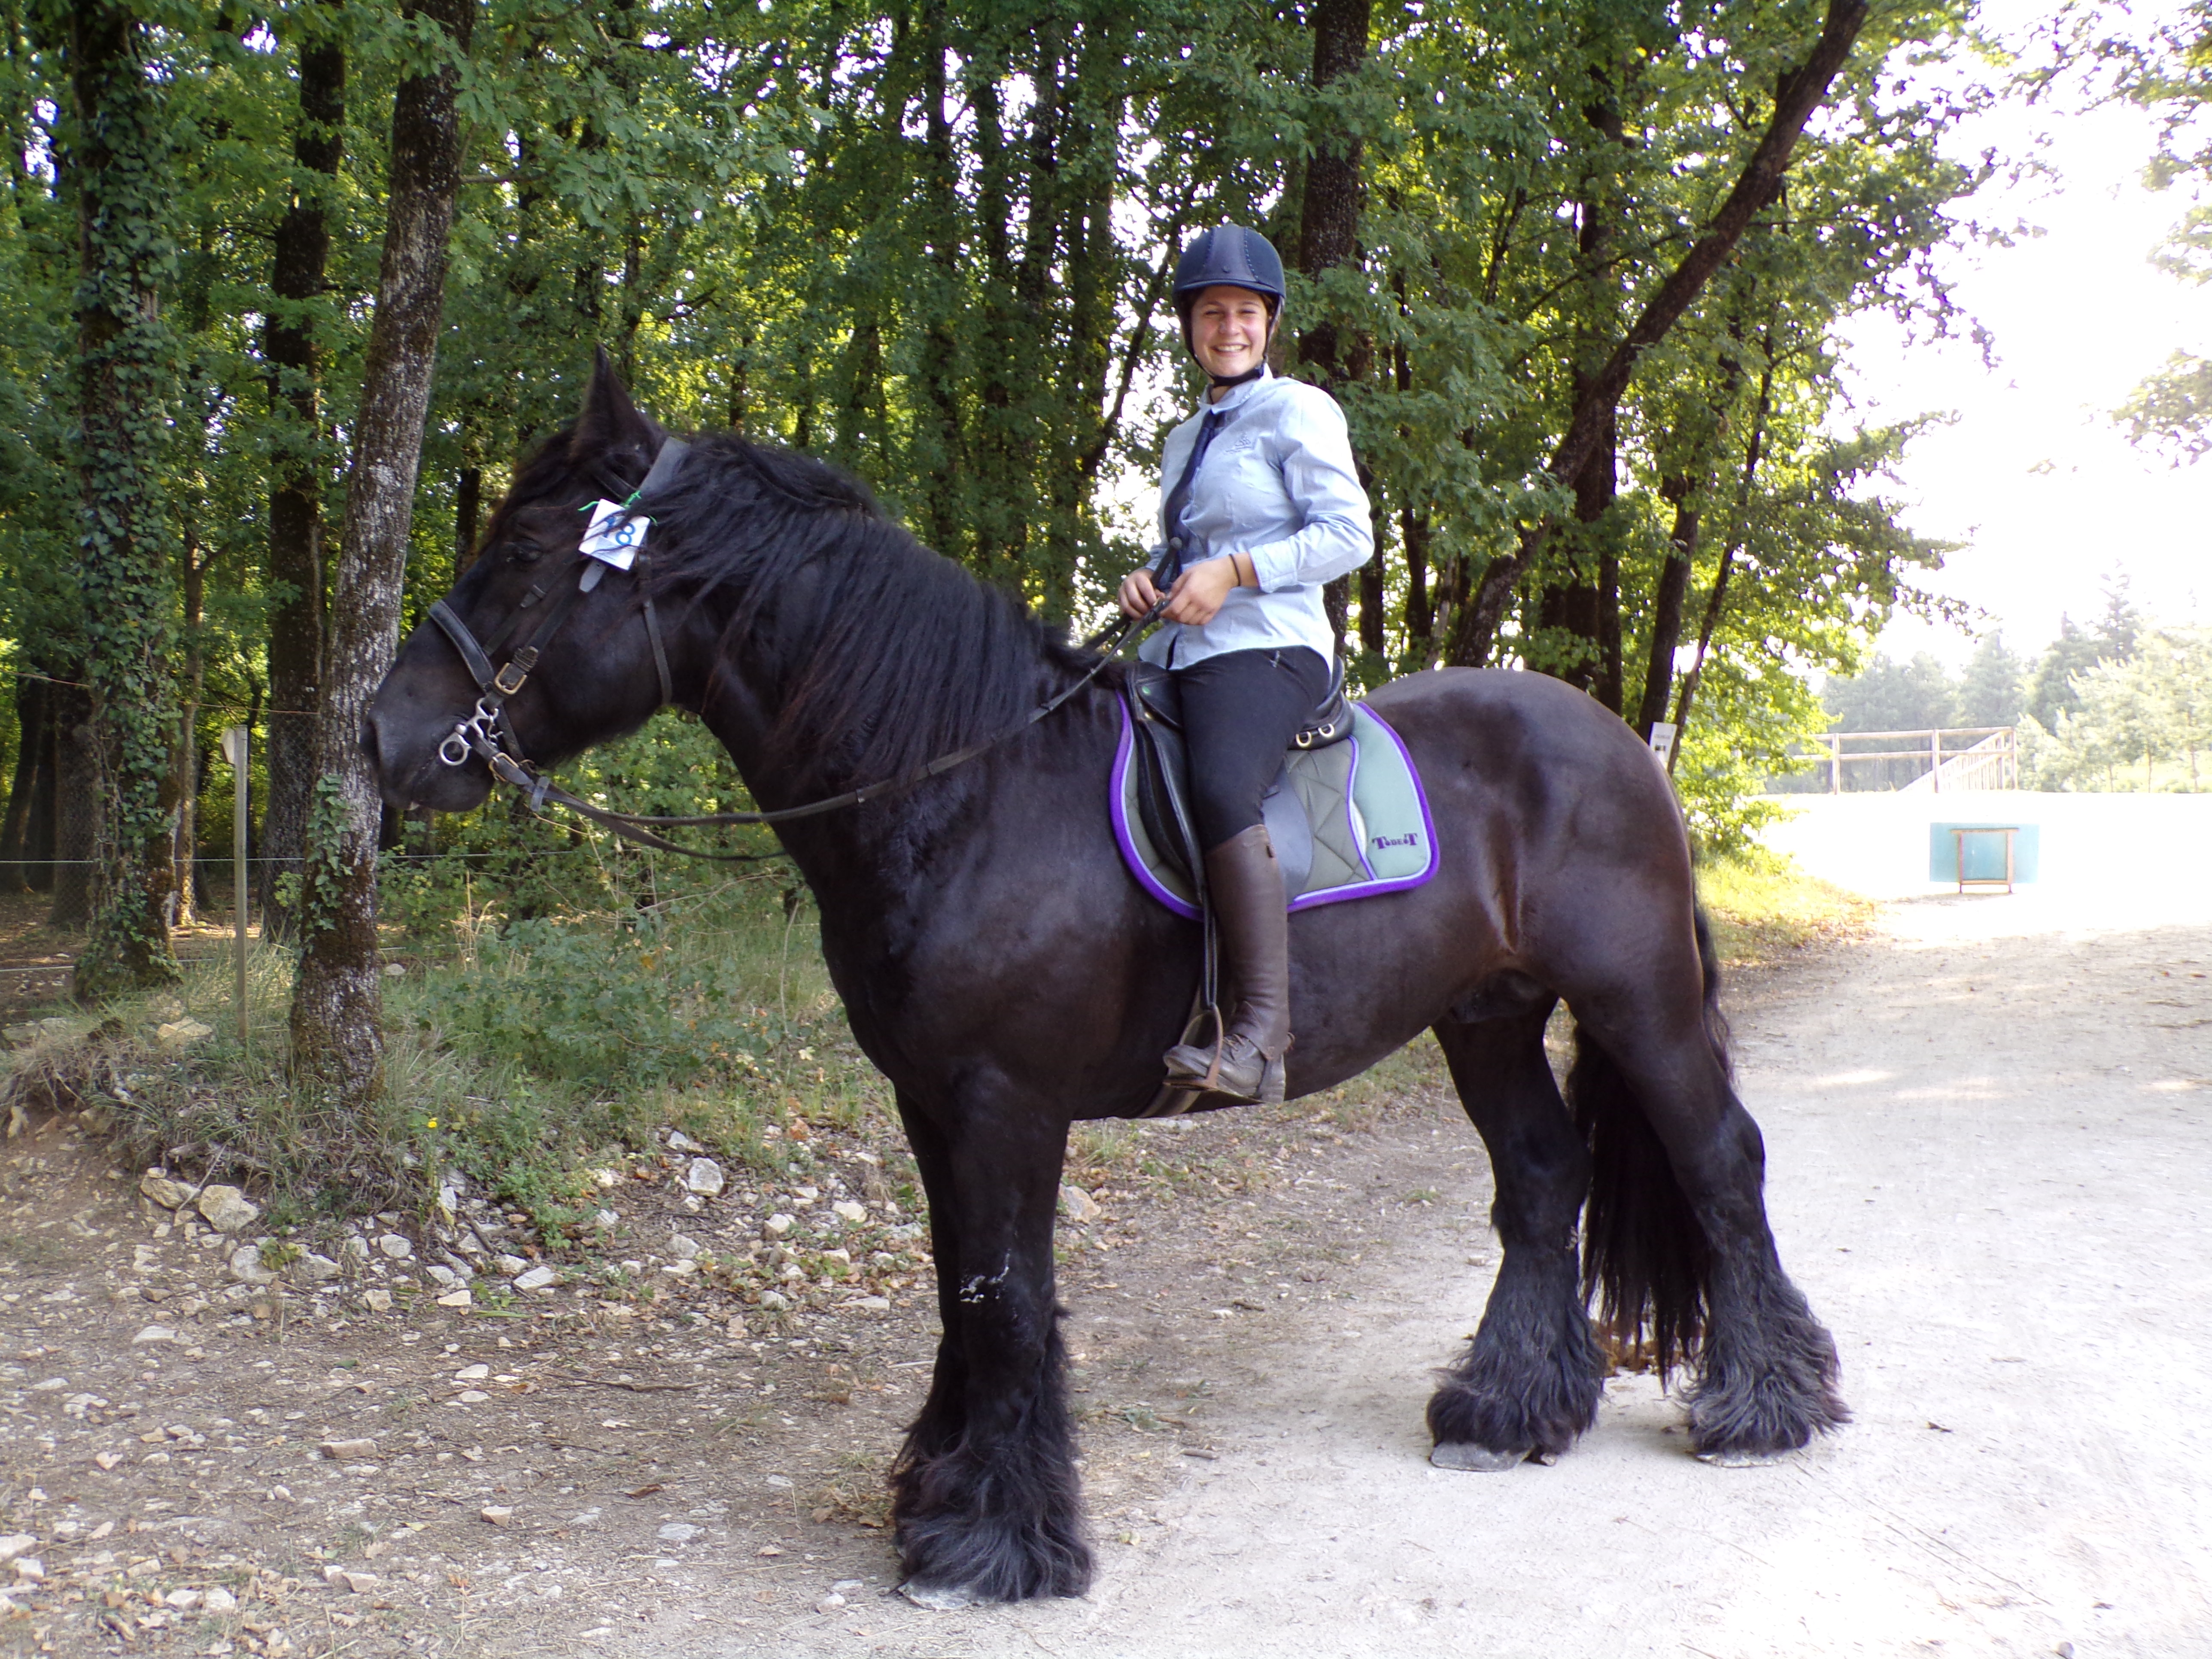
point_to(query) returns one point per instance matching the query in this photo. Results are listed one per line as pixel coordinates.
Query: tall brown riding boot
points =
(1244, 884)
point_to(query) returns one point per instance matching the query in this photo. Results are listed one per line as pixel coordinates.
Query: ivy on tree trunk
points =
(117, 149)
(337, 1042)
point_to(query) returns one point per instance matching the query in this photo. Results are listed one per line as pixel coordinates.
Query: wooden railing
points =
(1959, 757)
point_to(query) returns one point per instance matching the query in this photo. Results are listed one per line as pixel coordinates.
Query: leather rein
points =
(484, 733)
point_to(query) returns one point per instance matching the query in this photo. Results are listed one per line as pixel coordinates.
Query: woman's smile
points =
(1228, 331)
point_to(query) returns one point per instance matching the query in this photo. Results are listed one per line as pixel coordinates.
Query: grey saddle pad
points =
(1348, 821)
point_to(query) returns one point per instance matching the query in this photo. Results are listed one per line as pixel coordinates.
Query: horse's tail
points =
(1645, 1261)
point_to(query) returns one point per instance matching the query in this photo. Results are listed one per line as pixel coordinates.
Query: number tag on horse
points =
(615, 535)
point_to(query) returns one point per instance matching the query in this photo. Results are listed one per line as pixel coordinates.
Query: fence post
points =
(1935, 757)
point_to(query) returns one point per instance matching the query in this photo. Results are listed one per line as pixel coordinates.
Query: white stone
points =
(704, 1177)
(154, 1334)
(180, 1033)
(871, 1303)
(394, 1246)
(183, 1599)
(498, 1514)
(1077, 1205)
(680, 1142)
(169, 1195)
(14, 1544)
(471, 1373)
(471, 1397)
(316, 1269)
(774, 1300)
(355, 1249)
(220, 1600)
(846, 1211)
(226, 1209)
(510, 1265)
(377, 1301)
(776, 1225)
(30, 1569)
(341, 1451)
(537, 1278)
(247, 1267)
(446, 1277)
(678, 1532)
(464, 1297)
(683, 1247)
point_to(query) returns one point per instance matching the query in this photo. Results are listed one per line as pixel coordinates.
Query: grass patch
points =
(1763, 907)
(537, 1057)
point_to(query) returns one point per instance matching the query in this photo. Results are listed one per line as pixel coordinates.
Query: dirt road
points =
(1991, 1169)
(1987, 1157)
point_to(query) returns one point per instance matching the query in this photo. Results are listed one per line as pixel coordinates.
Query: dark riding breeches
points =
(1240, 711)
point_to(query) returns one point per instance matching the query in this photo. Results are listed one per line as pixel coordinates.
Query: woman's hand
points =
(1199, 592)
(1138, 594)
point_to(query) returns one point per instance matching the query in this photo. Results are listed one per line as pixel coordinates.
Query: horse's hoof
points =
(938, 1598)
(1465, 1455)
(1741, 1460)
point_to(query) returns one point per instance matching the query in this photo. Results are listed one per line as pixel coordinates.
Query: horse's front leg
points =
(985, 1500)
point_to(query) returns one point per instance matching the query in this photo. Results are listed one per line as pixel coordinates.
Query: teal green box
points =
(1985, 855)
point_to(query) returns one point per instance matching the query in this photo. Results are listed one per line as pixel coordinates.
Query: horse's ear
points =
(610, 423)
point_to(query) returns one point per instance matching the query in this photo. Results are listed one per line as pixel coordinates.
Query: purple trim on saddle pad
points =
(1145, 879)
(1123, 759)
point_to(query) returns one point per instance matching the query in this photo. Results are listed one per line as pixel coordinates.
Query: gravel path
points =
(1988, 1158)
(1989, 1168)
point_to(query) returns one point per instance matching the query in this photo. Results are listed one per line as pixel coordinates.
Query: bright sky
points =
(2034, 476)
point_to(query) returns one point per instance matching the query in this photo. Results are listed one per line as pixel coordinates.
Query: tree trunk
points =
(1329, 232)
(1329, 219)
(1667, 602)
(1717, 600)
(468, 509)
(45, 786)
(30, 748)
(295, 516)
(184, 759)
(338, 996)
(1800, 92)
(118, 151)
(75, 807)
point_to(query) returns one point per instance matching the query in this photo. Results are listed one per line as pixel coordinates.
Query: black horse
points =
(1007, 975)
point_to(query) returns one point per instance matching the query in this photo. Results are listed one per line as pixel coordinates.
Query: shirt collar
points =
(1237, 395)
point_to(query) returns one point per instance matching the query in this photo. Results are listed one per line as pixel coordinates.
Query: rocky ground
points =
(393, 1436)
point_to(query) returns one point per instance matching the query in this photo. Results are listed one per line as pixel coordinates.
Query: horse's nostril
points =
(368, 744)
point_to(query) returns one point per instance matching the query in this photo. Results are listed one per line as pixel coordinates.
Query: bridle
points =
(485, 733)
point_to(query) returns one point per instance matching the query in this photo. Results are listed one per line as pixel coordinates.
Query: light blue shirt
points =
(1279, 484)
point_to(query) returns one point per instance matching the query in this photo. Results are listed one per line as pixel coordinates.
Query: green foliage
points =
(2140, 722)
(568, 1000)
(313, 895)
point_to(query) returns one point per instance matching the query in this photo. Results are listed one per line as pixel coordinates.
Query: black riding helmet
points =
(1231, 256)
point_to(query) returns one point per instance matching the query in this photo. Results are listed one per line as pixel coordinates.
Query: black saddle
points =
(1163, 774)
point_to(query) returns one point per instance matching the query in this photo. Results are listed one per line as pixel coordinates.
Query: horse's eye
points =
(526, 552)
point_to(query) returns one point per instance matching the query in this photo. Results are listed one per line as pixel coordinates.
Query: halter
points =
(485, 734)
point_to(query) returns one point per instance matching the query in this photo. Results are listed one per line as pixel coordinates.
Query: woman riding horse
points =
(1246, 544)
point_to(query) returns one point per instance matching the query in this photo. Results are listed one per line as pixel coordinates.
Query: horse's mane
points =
(887, 654)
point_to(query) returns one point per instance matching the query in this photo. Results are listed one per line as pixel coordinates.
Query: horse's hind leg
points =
(985, 1506)
(1530, 1382)
(1677, 1240)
